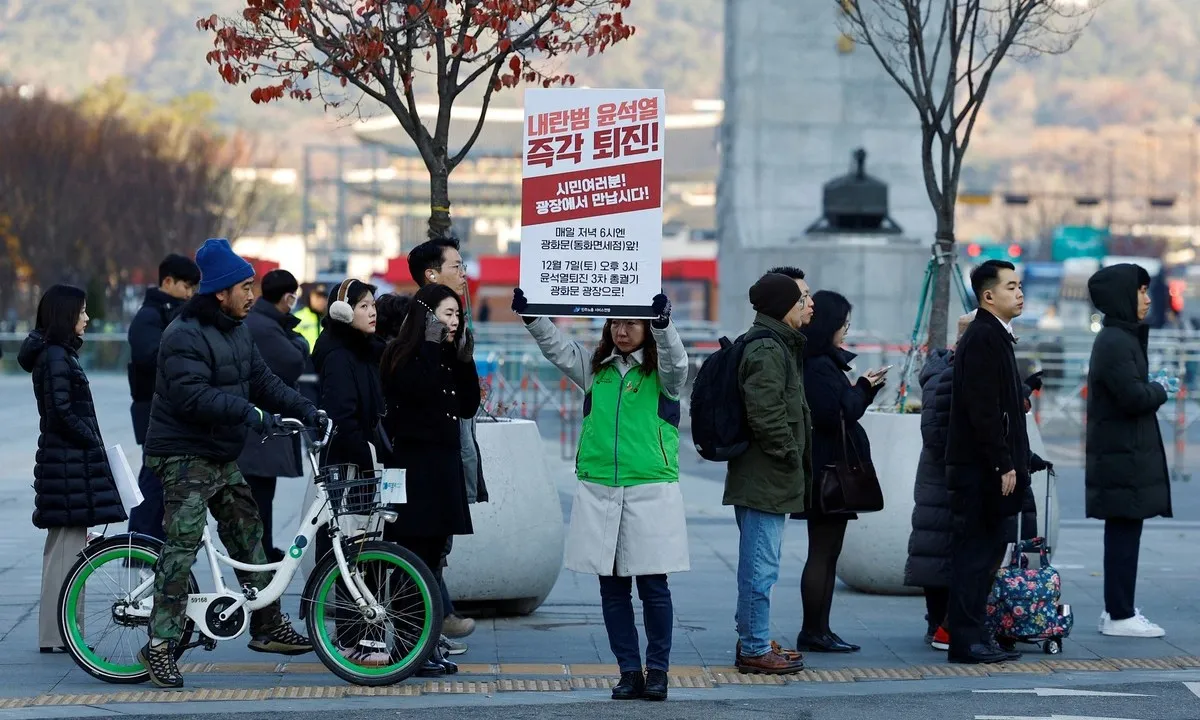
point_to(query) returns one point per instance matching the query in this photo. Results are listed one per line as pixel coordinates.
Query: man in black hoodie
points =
(178, 277)
(987, 457)
(1126, 476)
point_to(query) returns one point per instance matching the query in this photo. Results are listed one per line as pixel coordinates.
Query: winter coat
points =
(71, 480)
(835, 403)
(928, 562)
(775, 474)
(209, 375)
(1126, 475)
(425, 398)
(286, 353)
(145, 332)
(987, 436)
(635, 524)
(347, 364)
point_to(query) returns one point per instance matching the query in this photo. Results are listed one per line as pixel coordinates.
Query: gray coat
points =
(285, 352)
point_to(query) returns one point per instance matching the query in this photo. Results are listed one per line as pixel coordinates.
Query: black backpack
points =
(719, 429)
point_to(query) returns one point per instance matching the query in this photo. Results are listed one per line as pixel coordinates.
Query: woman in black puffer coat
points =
(73, 487)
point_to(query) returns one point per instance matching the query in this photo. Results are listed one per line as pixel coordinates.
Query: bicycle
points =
(362, 629)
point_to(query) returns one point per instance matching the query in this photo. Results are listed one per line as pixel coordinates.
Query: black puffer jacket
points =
(347, 363)
(145, 333)
(1126, 473)
(72, 482)
(209, 374)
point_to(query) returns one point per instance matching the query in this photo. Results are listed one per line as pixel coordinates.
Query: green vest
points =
(630, 430)
(309, 327)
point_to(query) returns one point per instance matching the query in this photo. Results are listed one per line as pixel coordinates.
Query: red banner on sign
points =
(591, 193)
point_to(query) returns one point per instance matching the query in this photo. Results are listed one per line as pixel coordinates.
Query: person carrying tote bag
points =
(73, 486)
(839, 444)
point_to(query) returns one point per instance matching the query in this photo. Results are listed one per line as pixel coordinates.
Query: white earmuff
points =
(339, 309)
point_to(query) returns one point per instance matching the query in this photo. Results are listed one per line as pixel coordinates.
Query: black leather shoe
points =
(852, 646)
(1009, 655)
(823, 643)
(431, 669)
(656, 685)
(631, 686)
(978, 654)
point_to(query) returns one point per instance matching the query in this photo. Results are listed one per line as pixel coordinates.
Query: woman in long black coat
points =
(73, 487)
(429, 384)
(837, 405)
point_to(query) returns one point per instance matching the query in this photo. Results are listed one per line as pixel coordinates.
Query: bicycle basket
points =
(350, 492)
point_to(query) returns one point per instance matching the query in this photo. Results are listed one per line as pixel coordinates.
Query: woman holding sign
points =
(627, 519)
(429, 383)
(72, 485)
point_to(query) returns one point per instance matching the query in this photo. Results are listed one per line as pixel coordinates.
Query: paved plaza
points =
(560, 654)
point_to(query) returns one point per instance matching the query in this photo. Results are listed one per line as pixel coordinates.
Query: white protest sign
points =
(591, 201)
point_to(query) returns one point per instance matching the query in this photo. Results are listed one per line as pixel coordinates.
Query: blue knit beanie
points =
(220, 267)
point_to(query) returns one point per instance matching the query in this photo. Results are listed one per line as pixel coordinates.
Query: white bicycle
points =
(373, 609)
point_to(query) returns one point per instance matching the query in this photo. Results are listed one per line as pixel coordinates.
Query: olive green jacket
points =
(775, 474)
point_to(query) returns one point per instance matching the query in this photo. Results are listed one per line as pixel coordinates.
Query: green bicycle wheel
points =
(383, 650)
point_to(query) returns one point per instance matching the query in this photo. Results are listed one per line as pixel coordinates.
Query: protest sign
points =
(591, 201)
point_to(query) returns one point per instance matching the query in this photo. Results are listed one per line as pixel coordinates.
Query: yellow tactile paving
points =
(554, 677)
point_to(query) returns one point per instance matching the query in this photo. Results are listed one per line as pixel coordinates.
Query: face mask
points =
(292, 303)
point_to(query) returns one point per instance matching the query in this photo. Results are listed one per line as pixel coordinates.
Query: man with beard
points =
(211, 379)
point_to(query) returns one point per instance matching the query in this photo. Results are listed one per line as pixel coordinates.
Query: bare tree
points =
(944, 55)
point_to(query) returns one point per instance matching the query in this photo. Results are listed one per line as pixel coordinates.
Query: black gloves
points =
(1034, 381)
(661, 307)
(313, 417)
(435, 330)
(1037, 464)
(520, 304)
(465, 344)
(260, 422)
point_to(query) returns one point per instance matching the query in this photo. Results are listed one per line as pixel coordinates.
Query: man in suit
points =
(987, 458)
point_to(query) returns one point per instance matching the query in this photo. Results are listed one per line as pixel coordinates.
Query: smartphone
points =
(885, 368)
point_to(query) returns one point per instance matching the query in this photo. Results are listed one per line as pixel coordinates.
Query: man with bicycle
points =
(211, 380)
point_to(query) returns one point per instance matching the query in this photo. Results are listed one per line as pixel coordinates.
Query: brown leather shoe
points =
(770, 664)
(776, 647)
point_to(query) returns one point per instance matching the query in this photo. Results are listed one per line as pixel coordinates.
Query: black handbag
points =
(849, 485)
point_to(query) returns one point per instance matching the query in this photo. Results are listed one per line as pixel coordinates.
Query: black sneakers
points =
(281, 640)
(160, 662)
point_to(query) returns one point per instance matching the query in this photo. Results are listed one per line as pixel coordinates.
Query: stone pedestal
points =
(513, 560)
(876, 546)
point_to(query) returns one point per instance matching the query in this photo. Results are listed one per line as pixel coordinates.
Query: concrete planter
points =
(513, 560)
(876, 546)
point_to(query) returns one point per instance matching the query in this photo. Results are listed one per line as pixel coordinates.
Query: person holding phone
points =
(837, 405)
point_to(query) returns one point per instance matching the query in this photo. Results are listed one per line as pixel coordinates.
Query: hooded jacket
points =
(1126, 475)
(72, 483)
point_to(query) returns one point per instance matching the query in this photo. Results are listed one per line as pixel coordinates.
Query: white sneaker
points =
(1104, 618)
(1136, 626)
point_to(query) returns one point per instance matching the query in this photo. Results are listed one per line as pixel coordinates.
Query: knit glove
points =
(661, 307)
(520, 304)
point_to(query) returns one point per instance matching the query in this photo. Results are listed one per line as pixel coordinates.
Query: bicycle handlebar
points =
(292, 425)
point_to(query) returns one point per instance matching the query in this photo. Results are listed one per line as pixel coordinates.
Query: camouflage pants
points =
(192, 486)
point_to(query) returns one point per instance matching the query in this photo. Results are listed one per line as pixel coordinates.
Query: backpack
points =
(718, 412)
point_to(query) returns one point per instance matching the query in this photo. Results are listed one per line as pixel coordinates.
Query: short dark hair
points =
(180, 267)
(987, 276)
(794, 273)
(278, 283)
(58, 313)
(391, 310)
(428, 256)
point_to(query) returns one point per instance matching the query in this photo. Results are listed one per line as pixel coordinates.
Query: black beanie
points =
(774, 295)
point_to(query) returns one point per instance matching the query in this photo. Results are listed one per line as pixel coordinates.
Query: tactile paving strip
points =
(490, 679)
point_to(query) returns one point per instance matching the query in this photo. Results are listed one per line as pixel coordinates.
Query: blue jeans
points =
(616, 602)
(758, 570)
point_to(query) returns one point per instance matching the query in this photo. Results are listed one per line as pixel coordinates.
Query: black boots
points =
(632, 686)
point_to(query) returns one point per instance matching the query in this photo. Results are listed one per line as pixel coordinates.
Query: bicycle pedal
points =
(249, 592)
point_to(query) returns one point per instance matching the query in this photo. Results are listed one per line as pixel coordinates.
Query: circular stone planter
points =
(513, 560)
(876, 546)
